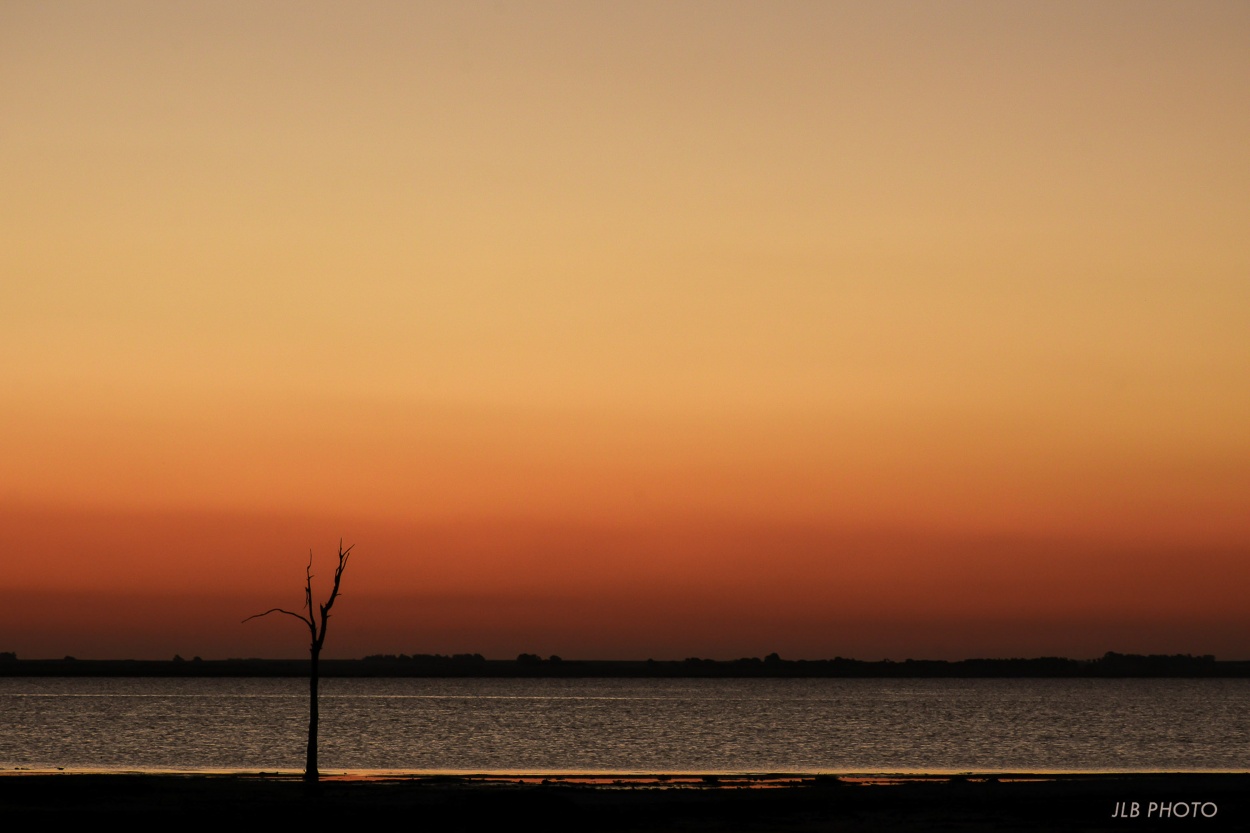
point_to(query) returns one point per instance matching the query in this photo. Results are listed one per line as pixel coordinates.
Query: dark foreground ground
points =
(634, 803)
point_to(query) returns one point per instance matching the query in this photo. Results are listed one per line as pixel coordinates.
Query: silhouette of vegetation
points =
(317, 630)
(532, 665)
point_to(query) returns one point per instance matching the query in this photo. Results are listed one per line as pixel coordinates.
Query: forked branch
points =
(319, 637)
(315, 628)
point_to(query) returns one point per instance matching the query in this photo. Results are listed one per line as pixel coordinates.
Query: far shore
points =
(1110, 665)
(1040, 801)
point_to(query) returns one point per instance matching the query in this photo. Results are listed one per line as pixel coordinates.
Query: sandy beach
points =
(764, 802)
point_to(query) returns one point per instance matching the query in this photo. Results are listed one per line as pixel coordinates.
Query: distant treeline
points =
(532, 665)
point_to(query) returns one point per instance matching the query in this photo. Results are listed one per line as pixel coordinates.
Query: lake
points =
(630, 725)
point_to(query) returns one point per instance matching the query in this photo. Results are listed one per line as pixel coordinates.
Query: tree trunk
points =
(310, 767)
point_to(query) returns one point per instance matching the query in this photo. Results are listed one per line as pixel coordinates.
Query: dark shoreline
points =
(1110, 665)
(680, 802)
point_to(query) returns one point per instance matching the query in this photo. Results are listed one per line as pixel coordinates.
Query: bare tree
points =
(317, 629)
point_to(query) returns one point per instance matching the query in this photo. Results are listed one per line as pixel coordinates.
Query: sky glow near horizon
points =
(627, 330)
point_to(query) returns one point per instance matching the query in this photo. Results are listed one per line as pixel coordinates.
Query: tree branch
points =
(318, 633)
(308, 585)
(298, 616)
(320, 638)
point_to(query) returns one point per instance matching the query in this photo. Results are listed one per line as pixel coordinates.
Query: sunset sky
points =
(626, 330)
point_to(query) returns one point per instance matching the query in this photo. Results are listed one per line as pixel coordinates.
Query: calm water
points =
(629, 725)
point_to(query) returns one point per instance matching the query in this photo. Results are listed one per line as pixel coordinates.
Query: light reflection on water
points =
(629, 726)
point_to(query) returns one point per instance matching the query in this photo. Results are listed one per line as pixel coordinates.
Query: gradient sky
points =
(873, 329)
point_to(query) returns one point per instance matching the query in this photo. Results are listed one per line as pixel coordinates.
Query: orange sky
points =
(650, 329)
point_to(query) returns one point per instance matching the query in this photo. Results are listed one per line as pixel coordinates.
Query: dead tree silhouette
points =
(318, 631)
